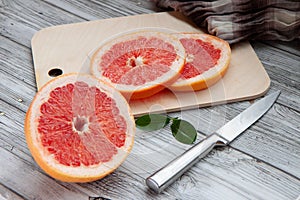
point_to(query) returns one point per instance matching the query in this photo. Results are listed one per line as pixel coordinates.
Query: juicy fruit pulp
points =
(137, 61)
(73, 131)
(201, 56)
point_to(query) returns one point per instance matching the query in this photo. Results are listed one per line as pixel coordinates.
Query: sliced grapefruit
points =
(78, 128)
(139, 64)
(207, 61)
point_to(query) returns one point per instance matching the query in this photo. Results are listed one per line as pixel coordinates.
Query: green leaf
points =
(183, 131)
(152, 122)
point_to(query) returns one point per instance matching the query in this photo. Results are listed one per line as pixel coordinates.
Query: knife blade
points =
(162, 178)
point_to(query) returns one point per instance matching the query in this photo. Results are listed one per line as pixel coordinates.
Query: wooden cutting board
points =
(68, 47)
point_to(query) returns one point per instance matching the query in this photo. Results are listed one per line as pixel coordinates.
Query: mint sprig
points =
(182, 130)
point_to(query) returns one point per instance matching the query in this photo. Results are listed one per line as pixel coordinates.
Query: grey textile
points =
(236, 20)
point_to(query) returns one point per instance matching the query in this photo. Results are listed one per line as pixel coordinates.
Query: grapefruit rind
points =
(152, 87)
(211, 76)
(82, 173)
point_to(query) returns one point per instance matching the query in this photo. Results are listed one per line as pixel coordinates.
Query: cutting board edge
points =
(246, 97)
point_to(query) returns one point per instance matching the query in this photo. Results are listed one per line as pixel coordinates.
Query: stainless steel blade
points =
(245, 119)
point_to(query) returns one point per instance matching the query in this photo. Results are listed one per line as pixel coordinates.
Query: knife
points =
(223, 136)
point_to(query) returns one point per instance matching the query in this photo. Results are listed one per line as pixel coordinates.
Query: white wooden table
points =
(263, 163)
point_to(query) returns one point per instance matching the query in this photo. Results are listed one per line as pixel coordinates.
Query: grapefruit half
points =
(78, 128)
(139, 64)
(207, 60)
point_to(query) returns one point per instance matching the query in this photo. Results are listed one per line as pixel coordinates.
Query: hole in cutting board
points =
(55, 72)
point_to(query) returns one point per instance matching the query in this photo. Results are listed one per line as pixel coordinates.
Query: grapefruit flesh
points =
(139, 64)
(79, 129)
(207, 61)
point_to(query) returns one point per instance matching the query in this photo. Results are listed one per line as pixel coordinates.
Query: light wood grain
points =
(6, 194)
(16, 169)
(14, 54)
(20, 19)
(261, 164)
(93, 10)
(284, 70)
(290, 47)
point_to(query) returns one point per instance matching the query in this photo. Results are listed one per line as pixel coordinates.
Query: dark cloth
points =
(236, 20)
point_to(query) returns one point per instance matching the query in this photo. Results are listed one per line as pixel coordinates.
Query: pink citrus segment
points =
(201, 56)
(153, 56)
(79, 123)
(84, 124)
(139, 63)
(207, 59)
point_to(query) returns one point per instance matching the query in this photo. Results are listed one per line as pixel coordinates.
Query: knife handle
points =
(162, 178)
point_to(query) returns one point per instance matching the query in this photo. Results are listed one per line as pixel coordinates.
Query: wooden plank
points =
(292, 47)
(280, 59)
(12, 130)
(150, 6)
(37, 14)
(90, 10)
(30, 183)
(6, 194)
(283, 69)
(21, 95)
(274, 139)
(22, 18)
(16, 60)
(12, 29)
